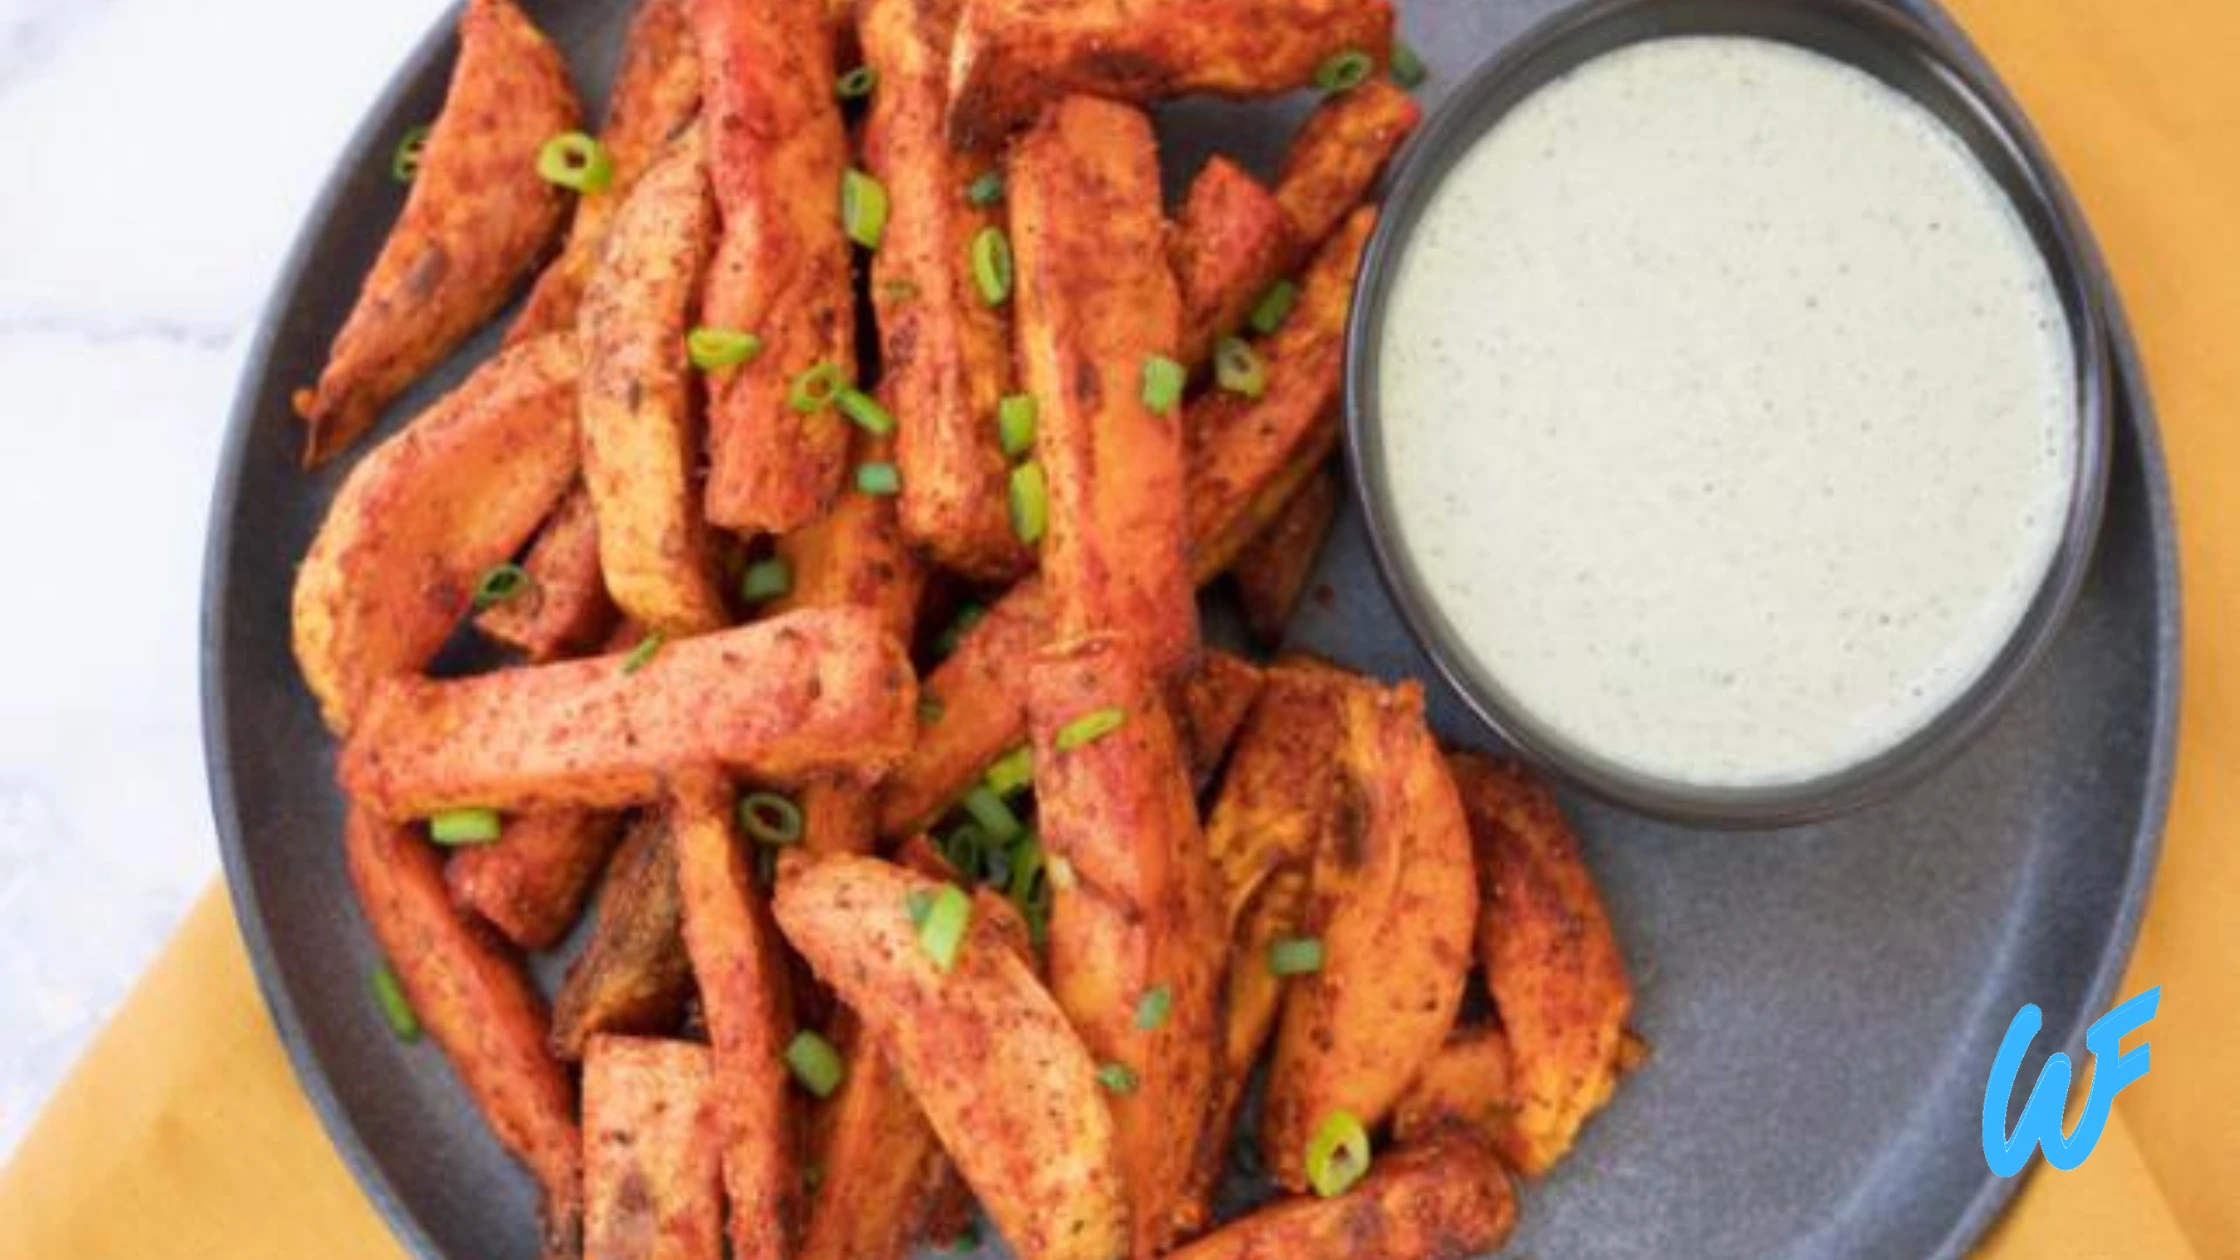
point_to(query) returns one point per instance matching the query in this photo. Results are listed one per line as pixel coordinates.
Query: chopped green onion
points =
(1090, 727)
(1274, 307)
(865, 411)
(941, 934)
(1344, 72)
(1012, 773)
(766, 580)
(1152, 1011)
(465, 826)
(920, 904)
(967, 617)
(766, 866)
(1027, 885)
(966, 1239)
(713, 349)
(856, 84)
(879, 479)
(404, 165)
(992, 814)
(1408, 69)
(986, 190)
(396, 1008)
(966, 847)
(815, 1063)
(1163, 379)
(1337, 1154)
(1295, 956)
(815, 388)
(1238, 369)
(642, 655)
(1030, 503)
(502, 583)
(1015, 419)
(1117, 1077)
(863, 208)
(575, 160)
(991, 265)
(770, 818)
(929, 710)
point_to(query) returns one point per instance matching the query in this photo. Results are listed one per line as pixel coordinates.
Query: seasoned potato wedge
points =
(1135, 934)
(476, 1001)
(884, 1173)
(820, 692)
(420, 520)
(1466, 1085)
(776, 149)
(1096, 306)
(1448, 1200)
(1210, 707)
(531, 883)
(564, 609)
(1038, 1150)
(652, 1178)
(975, 710)
(477, 219)
(1394, 903)
(1340, 150)
(1551, 959)
(633, 976)
(1271, 572)
(1231, 241)
(1011, 56)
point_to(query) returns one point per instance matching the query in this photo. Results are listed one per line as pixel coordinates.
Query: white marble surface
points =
(161, 154)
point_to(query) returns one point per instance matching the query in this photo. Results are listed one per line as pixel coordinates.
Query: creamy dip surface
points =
(1729, 411)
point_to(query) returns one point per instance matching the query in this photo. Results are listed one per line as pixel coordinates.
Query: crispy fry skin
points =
(1231, 242)
(776, 150)
(1448, 1200)
(1011, 56)
(1393, 903)
(565, 609)
(633, 976)
(1096, 303)
(421, 519)
(823, 692)
(884, 1172)
(946, 353)
(981, 694)
(1139, 916)
(1551, 959)
(1038, 1149)
(1210, 706)
(477, 218)
(652, 1183)
(475, 1000)
(1271, 572)
(1466, 1085)
(1340, 150)
(744, 994)
(531, 884)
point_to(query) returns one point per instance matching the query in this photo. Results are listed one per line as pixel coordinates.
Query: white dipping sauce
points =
(1728, 411)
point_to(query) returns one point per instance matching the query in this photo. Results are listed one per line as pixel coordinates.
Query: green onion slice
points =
(994, 817)
(1295, 956)
(1238, 369)
(465, 826)
(966, 1239)
(815, 1063)
(1408, 69)
(643, 654)
(1030, 503)
(815, 388)
(1117, 1077)
(770, 818)
(991, 265)
(941, 934)
(1344, 72)
(1163, 379)
(966, 847)
(1274, 307)
(1090, 727)
(713, 349)
(396, 1008)
(1337, 1154)
(865, 411)
(404, 165)
(1012, 773)
(1152, 1011)
(863, 208)
(879, 478)
(986, 190)
(967, 617)
(856, 84)
(575, 160)
(766, 580)
(920, 905)
(1028, 887)
(503, 582)
(1015, 422)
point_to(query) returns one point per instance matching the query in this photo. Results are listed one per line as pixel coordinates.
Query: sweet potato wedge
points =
(1096, 304)
(1271, 572)
(782, 701)
(1551, 959)
(946, 353)
(883, 1169)
(1210, 707)
(776, 150)
(531, 883)
(478, 1004)
(1012, 56)
(1466, 1085)
(975, 710)
(1394, 904)
(1231, 241)
(564, 611)
(476, 220)
(1039, 1150)
(633, 976)
(641, 452)
(652, 1171)
(1448, 1200)
(737, 959)
(1340, 150)
(1135, 935)
(420, 520)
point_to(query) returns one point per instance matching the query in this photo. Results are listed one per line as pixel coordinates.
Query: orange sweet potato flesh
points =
(633, 975)
(1138, 918)
(1210, 707)
(1394, 903)
(1466, 1085)
(420, 520)
(1012, 56)
(776, 151)
(565, 610)
(652, 1183)
(1231, 241)
(977, 710)
(1096, 304)
(1551, 959)
(473, 997)
(477, 218)
(782, 701)
(1446, 1200)
(884, 1172)
(531, 883)
(1334, 161)
(1271, 573)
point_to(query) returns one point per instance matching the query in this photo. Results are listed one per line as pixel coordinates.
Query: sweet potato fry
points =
(477, 219)
(1135, 935)
(420, 520)
(1210, 707)
(776, 150)
(1038, 1150)
(744, 996)
(946, 353)
(1551, 959)
(1448, 1200)
(1012, 56)
(1096, 304)
(531, 884)
(652, 1171)
(1231, 241)
(633, 976)
(975, 710)
(1394, 905)
(476, 1001)
(1271, 571)
(824, 692)
(564, 610)
(1340, 150)
(1466, 1085)
(883, 1168)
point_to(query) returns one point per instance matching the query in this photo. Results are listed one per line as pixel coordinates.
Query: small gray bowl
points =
(1909, 57)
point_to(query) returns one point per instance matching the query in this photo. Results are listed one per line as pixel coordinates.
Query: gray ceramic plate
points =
(1825, 1003)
